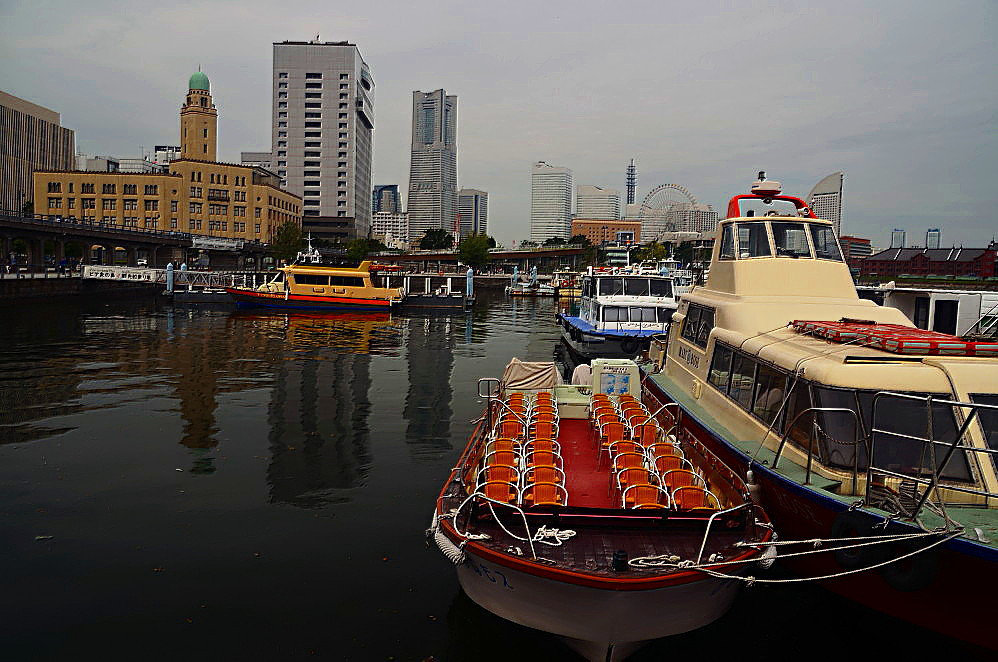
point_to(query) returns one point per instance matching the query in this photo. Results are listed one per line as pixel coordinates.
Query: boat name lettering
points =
(615, 369)
(691, 357)
(482, 571)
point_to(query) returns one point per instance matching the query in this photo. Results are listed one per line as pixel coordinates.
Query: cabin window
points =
(753, 240)
(823, 239)
(989, 421)
(636, 287)
(720, 367)
(346, 281)
(614, 314)
(836, 433)
(661, 288)
(901, 416)
(642, 315)
(727, 243)
(698, 324)
(770, 390)
(742, 379)
(790, 240)
(665, 315)
(311, 279)
(608, 286)
(798, 402)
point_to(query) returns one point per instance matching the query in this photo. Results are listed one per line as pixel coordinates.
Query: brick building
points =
(973, 262)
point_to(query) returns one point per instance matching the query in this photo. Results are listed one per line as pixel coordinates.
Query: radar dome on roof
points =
(198, 82)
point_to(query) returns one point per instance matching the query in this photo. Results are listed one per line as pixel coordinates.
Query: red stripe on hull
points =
(264, 298)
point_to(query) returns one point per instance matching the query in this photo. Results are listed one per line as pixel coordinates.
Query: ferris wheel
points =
(662, 209)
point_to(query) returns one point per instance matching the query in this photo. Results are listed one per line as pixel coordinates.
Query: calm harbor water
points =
(194, 483)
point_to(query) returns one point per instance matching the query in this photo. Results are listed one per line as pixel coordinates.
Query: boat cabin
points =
(627, 302)
(780, 351)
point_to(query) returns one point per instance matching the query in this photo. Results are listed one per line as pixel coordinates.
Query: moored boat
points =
(854, 423)
(572, 511)
(319, 287)
(619, 312)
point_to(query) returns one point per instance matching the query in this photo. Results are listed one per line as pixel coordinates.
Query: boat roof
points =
(325, 269)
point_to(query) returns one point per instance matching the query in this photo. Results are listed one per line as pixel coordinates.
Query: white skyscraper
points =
(550, 202)
(473, 208)
(825, 200)
(431, 203)
(323, 125)
(597, 202)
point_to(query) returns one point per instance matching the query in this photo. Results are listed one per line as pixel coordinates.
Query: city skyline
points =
(895, 113)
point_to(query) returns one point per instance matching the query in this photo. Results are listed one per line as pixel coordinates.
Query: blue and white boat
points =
(619, 312)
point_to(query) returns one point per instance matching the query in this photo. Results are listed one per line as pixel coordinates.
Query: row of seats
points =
(522, 462)
(646, 469)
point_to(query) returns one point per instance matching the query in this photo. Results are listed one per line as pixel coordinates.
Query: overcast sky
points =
(901, 96)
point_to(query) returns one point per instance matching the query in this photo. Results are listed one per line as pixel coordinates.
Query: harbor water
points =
(206, 483)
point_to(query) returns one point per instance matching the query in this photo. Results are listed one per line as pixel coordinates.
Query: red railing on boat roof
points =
(895, 338)
(734, 210)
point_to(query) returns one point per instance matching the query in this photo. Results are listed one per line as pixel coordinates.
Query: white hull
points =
(600, 624)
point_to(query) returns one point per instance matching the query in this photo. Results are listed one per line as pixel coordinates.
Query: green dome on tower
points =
(199, 82)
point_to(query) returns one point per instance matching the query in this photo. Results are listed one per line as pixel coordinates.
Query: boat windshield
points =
(608, 286)
(661, 288)
(791, 240)
(753, 241)
(825, 246)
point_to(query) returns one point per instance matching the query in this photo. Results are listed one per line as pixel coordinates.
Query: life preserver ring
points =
(850, 524)
(629, 345)
(913, 573)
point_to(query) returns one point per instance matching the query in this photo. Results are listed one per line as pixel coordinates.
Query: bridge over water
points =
(98, 241)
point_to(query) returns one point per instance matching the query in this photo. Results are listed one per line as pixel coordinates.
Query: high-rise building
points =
(391, 228)
(597, 202)
(932, 238)
(386, 199)
(431, 203)
(550, 202)
(473, 208)
(897, 238)
(825, 200)
(30, 139)
(632, 182)
(323, 126)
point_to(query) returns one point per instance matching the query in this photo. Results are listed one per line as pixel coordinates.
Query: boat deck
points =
(592, 508)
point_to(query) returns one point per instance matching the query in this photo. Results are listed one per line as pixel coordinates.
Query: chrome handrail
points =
(938, 467)
(810, 442)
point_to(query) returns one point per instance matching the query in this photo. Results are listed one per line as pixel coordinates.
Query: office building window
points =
(311, 182)
(341, 213)
(342, 116)
(344, 86)
(342, 155)
(343, 96)
(282, 163)
(342, 145)
(282, 152)
(282, 85)
(313, 75)
(343, 137)
(342, 164)
(282, 134)
(313, 125)
(313, 144)
(108, 188)
(343, 125)
(282, 104)
(341, 173)
(282, 125)
(313, 134)
(341, 203)
(282, 95)
(282, 143)
(313, 115)
(313, 154)
(313, 86)
(313, 95)
(312, 164)
(282, 114)
(311, 173)
(282, 74)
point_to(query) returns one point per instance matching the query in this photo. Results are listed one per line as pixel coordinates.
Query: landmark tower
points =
(198, 121)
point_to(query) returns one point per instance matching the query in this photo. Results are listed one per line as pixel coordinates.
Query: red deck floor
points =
(586, 483)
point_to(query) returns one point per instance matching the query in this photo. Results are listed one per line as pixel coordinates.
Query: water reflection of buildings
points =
(319, 409)
(430, 346)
